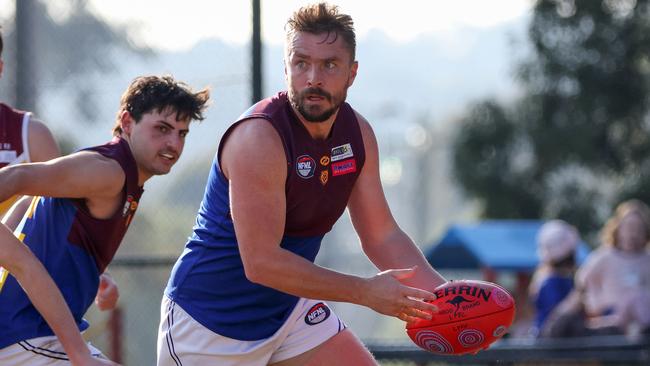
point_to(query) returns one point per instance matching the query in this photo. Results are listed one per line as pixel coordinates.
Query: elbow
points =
(256, 270)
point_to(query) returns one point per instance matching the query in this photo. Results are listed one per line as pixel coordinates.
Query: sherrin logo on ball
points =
(471, 315)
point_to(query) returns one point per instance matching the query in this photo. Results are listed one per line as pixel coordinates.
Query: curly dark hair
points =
(149, 93)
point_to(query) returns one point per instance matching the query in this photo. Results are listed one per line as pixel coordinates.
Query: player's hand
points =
(387, 295)
(107, 294)
(93, 361)
(86, 359)
(98, 362)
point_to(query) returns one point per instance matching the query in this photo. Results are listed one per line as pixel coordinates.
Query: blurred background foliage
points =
(577, 139)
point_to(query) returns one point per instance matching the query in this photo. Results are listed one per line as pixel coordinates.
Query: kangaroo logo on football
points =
(456, 301)
(317, 314)
(305, 166)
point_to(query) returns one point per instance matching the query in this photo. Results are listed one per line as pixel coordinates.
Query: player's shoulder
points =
(95, 161)
(254, 133)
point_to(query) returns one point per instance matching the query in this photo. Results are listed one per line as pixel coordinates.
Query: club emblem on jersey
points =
(344, 167)
(129, 206)
(325, 160)
(317, 314)
(305, 166)
(342, 152)
(324, 176)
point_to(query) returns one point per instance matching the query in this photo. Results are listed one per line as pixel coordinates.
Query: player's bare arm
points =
(42, 145)
(87, 175)
(258, 211)
(45, 296)
(383, 241)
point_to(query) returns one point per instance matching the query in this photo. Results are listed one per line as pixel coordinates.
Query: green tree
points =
(578, 139)
(70, 45)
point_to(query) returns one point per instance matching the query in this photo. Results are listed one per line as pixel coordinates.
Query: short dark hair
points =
(323, 18)
(148, 93)
(1, 42)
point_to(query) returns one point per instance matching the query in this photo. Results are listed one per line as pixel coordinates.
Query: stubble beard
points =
(314, 113)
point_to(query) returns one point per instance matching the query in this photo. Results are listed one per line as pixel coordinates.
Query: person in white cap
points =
(553, 279)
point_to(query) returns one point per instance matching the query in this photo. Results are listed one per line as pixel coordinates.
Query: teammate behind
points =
(83, 204)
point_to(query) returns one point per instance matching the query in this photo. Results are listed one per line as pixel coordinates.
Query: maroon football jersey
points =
(321, 173)
(13, 136)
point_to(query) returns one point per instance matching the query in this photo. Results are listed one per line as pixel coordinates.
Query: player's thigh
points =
(343, 349)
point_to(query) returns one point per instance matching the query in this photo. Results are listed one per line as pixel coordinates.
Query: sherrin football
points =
(471, 315)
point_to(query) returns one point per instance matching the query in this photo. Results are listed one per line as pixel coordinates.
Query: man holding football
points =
(246, 289)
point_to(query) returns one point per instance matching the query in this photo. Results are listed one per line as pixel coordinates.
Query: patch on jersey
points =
(341, 152)
(324, 176)
(317, 314)
(129, 206)
(7, 156)
(344, 167)
(325, 160)
(305, 166)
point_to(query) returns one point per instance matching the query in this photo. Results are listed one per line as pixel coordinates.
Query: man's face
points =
(319, 71)
(156, 141)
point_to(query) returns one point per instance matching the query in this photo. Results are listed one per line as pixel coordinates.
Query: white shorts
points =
(183, 341)
(40, 351)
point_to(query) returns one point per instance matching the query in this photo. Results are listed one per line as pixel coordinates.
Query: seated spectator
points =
(615, 278)
(553, 279)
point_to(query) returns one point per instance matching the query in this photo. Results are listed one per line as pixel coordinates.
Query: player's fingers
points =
(417, 314)
(419, 294)
(403, 273)
(421, 306)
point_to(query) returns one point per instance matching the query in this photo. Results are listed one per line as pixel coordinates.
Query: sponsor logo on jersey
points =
(324, 176)
(305, 166)
(129, 209)
(129, 206)
(341, 152)
(325, 160)
(344, 167)
(317, 314)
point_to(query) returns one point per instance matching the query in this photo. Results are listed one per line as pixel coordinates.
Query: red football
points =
(472, 314)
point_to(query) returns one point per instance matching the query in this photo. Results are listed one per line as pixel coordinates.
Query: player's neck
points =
(318, 130)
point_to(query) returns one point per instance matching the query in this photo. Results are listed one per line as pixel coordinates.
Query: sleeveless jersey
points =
(14, 146)
(208, 280)
(74, 247)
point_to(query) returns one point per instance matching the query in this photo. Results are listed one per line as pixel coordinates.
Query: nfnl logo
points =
(317, 314)
(305, 166)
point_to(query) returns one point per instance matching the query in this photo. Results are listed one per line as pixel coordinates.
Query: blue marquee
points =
(506, 245)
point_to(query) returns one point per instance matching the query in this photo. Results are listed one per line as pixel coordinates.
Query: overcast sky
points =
(174, 25)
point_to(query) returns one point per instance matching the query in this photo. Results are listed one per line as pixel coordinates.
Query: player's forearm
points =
(398, 251)
(290, 273)
(11, 179)
(43, 293)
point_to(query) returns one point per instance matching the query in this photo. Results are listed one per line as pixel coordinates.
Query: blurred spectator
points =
(553, 279)
(615, 278)
(23, 139)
